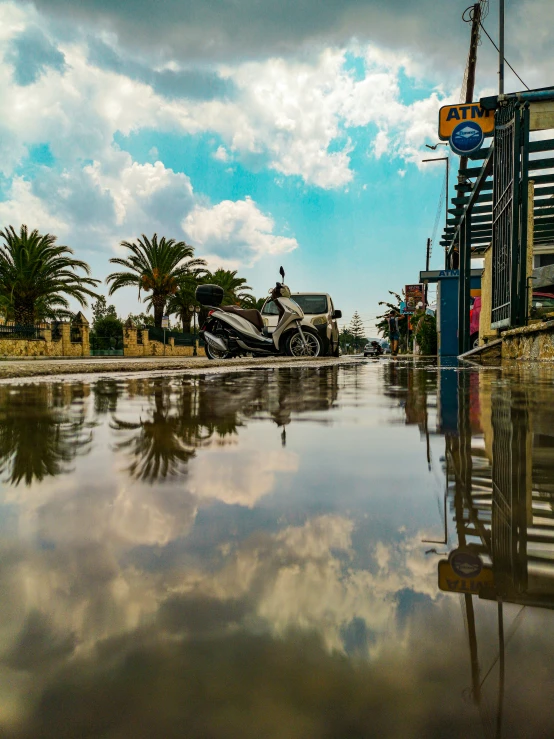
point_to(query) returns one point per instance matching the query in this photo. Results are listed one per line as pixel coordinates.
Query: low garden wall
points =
(136, 343)
(45, 346)
(535, 342)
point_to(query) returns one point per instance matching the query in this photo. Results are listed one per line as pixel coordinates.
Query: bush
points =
(426, 334)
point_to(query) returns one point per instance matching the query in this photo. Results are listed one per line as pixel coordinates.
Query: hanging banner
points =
(451, 116)
(413, 295)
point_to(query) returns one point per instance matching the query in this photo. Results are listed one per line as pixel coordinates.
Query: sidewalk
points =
(54, 366)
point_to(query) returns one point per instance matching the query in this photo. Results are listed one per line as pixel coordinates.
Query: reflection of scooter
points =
(230, 331)
(374, 350)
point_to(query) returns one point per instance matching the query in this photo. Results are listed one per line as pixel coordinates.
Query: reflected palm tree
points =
(42, 429)
(159, 449)
(182, 416)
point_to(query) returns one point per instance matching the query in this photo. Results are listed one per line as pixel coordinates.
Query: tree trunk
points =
(24, 313)
(159, 304)
(185, 319)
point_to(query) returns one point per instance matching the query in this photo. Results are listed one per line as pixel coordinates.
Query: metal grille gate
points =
(509, 216)
(505, 177)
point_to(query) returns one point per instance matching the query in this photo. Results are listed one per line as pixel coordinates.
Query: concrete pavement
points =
(47, 367)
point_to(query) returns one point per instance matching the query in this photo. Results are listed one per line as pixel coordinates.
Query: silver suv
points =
(319, 313)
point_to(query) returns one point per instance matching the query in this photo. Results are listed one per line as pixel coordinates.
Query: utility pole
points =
(427, 264)
(472, 63)
(501, 50)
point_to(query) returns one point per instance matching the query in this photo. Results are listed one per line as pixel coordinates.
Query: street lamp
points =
(194, 309)
(447, 160)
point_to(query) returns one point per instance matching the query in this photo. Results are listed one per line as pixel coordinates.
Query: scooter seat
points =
(251, 315)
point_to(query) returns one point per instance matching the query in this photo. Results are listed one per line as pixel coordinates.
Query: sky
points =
(261, 133)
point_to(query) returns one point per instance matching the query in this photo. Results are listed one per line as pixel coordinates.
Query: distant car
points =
(369, 348)
(319, 313)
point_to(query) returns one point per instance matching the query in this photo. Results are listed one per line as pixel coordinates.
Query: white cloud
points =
(235, 231)
(21, 204)
(221, 154)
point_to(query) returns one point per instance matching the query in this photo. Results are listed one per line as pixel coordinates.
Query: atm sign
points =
(451, 115)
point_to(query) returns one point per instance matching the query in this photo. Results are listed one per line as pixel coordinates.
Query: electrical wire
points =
(467, 17)
(507, 62)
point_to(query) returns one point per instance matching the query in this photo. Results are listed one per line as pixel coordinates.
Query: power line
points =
(467, 17)
(507, 62)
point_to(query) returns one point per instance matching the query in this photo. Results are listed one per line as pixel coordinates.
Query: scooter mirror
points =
(282, 273)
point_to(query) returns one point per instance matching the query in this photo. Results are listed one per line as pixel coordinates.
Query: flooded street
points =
(257, 554)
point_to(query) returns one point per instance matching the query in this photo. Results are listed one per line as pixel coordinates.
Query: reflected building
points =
(500, 483)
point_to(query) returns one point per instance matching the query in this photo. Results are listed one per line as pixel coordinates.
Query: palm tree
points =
(250, 301)
(37, 276)
(156, 267)
(235, 288)
(185, 297)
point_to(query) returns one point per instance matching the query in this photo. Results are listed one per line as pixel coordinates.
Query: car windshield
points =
(312, 304)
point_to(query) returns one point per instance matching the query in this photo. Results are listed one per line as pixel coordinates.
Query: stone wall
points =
(45, 347)
(150, 348)
(535, 342)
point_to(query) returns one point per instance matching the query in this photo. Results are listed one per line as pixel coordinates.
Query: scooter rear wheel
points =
(213, 353)
(295, 346)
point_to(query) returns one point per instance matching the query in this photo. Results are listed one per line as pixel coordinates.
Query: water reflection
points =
(500, 482)
(42, 429)
(193, 577)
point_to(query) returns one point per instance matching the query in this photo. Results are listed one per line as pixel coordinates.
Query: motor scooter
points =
(230, 331)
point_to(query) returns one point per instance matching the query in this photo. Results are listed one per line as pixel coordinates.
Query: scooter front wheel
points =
(295, 347)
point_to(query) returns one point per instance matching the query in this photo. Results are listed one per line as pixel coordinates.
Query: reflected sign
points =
(451, 582)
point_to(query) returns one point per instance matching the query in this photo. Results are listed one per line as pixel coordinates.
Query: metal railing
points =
(106, 343)
(180, 339)
(8, 331)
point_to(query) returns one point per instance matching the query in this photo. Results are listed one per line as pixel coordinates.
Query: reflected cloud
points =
(222, 475)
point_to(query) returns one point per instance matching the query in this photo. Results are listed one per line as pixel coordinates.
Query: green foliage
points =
(235, 288)
(184, 299)
(349, 342)
(426, 334)
(141, 319)
(357, 331)
(249, 301)
(382, 323)
(157, 267)
(105, 321)
(37, 277)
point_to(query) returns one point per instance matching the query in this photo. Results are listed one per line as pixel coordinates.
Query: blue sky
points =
(301, 146)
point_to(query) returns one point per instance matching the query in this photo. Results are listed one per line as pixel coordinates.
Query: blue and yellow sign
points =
(466, 138)
(450, 116)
